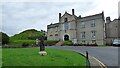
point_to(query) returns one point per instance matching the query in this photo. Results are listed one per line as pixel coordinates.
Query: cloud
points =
(19, 16)
(45, 0)
(110, 8)
(119, 9)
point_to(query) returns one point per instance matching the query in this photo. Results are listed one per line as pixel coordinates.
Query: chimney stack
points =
(108, 20)
(59, 16)
(72, 11)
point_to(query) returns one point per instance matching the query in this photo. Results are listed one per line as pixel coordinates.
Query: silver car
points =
(116, 42)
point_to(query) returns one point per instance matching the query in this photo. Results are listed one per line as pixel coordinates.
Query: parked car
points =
(116, 42)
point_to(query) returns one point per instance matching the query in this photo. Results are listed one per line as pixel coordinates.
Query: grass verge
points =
(30, 57)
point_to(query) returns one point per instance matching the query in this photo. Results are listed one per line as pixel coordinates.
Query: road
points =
(107, 55)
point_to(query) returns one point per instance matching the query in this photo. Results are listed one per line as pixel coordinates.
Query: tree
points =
(5, 38)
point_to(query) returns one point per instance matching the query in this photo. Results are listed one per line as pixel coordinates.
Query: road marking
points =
(103, 65)
(100, 63)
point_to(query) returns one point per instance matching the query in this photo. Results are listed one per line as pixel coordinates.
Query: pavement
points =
(102, 57)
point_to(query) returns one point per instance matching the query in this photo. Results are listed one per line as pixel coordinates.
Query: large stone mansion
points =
(89, 29)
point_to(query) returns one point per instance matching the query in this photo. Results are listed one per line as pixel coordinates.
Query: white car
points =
(116, 42)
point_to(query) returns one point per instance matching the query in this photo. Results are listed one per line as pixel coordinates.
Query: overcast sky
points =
(17, 16)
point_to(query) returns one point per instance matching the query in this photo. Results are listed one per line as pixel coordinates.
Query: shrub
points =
(20, 42)
(5, 38)
(25, 44)
(69, 42)
(50, 42)
(93, 44)
(80, 44)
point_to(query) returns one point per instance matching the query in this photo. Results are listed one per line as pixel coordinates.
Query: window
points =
(66, 26)
(65, 20)
(69, 25)
(50, 29)
(56, 34)
(93, 41)
(57, 29)
(83, 41)
(93, 23)
(51, 35)
(83, 25)
(83, 34)
(93, 33)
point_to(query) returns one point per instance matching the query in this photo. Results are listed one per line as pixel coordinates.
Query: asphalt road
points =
(107, 55)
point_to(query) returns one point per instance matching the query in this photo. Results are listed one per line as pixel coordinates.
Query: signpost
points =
(37, 41)
(75, 40)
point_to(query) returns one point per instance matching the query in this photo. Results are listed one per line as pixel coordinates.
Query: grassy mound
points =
(30, 34)
(30, 57)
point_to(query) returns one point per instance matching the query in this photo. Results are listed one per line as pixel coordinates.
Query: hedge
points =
(51, 42)
(69, 42)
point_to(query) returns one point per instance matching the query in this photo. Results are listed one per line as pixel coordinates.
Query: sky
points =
(119, 9)
(19, 15)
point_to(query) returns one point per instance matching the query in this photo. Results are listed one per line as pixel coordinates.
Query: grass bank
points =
(30, 57)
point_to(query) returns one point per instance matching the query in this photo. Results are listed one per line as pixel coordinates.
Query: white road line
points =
(103, 65)
(100, 63)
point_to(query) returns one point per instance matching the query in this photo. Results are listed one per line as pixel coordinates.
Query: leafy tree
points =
(4, 37)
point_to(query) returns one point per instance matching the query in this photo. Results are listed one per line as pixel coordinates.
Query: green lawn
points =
(30, 57)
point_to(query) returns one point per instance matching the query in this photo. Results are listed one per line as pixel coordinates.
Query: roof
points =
(69, 14)
(53, 25)
(93, 15)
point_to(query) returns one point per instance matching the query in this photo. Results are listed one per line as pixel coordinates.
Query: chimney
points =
(108, 20)
(72, 11)
(59, 16)
(79, 16)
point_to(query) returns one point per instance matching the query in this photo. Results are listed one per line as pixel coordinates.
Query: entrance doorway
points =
(66, 37)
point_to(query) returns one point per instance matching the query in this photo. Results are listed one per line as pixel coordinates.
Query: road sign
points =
(36, 41)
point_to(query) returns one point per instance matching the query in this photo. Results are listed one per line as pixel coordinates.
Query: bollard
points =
(87, 55)
(87, 60)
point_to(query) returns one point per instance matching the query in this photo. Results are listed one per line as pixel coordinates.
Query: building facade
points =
(89, 29)
(112, 30)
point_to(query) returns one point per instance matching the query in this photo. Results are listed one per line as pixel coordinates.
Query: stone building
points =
(112, 30)
(89, 29)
